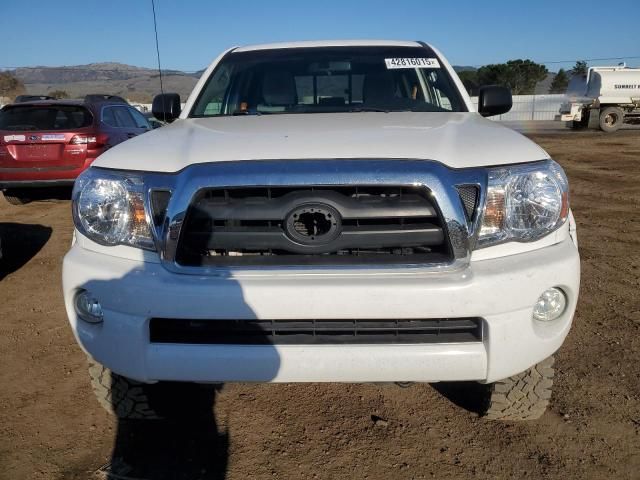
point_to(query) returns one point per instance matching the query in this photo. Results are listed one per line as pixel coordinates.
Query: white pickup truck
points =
(323, 212)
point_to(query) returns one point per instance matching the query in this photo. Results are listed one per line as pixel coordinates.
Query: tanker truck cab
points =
(606, 98)
(333, 211)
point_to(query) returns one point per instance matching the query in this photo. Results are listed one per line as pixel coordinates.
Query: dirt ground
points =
(51, 426)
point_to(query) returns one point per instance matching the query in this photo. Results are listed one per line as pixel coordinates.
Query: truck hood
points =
(457, 140)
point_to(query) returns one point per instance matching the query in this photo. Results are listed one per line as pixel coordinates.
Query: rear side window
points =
(45, 117)
(141, 121)
(123, 117)
(118, 116)
(108, 117)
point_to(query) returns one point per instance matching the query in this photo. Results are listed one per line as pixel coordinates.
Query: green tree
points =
(58, 94)
(10, 86)
(520, 75)
(469, 79)
(560, 82)
(580, 68)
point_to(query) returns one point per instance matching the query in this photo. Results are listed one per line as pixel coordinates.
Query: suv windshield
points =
(323, 79)
(44, 117)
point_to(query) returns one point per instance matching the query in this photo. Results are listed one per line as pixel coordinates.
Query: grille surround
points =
(315, 332)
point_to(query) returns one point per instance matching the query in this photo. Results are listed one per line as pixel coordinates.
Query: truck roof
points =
(329, 43)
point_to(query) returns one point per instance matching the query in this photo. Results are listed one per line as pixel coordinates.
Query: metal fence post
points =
(533, 108)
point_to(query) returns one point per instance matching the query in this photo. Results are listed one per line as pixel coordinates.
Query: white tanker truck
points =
(605, 98)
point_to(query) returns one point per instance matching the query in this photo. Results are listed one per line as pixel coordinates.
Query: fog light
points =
(550, 305)
(88, 307)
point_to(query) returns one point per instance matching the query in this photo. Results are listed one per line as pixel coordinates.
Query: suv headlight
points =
(108, 208)
(524, 203)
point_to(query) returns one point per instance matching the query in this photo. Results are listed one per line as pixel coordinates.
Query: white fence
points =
(531, 107)
(525, 107)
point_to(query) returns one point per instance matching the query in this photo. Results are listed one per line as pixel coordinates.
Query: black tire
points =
(16, 197)
(129, 399)
(120, 396)
(522, 397)
(611, 119)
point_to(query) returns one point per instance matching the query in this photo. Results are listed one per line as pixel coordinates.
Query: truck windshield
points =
(323, 79)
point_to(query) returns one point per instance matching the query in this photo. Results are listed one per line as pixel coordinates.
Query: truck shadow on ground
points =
(186, 443)
(471, 396)
(186, 448)
(19, 243)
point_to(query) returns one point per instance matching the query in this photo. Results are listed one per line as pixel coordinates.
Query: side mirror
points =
(493, 100)
(166, 107)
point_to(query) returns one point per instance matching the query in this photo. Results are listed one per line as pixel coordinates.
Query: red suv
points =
(49, 143)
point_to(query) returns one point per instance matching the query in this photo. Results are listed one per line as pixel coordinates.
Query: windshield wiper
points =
(237, 113)
(369, 109)
(251, 112)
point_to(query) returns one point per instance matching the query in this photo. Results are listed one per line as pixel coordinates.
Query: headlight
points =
(524, 203)
(108, 208)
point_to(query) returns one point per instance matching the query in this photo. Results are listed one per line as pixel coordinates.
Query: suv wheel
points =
(16, 197)
(522, 397)
(129, 399)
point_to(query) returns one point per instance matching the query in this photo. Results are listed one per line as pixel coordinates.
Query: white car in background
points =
(323, 212)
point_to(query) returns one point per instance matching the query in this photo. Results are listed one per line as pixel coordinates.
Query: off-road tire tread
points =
(120, 396)
(524, 396)
(16, 200)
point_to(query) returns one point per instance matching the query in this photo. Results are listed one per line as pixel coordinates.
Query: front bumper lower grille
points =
(315, 332)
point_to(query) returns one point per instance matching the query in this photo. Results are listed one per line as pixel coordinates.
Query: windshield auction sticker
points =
(412, 63)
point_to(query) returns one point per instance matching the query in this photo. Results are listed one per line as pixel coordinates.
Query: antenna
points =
(155, 27)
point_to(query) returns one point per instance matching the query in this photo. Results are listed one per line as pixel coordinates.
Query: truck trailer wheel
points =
(522, 397)
(611, 119)
(129, 399)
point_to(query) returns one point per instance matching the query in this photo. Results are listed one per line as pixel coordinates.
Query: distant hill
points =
(136, 83)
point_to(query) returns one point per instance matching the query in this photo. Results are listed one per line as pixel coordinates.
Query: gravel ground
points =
(51, 426)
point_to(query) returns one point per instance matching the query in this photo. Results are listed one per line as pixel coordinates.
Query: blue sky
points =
(192, 32)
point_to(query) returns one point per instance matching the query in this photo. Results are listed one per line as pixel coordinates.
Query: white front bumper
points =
(502, 291)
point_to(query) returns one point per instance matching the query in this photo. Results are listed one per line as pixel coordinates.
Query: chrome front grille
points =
(414, 213)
